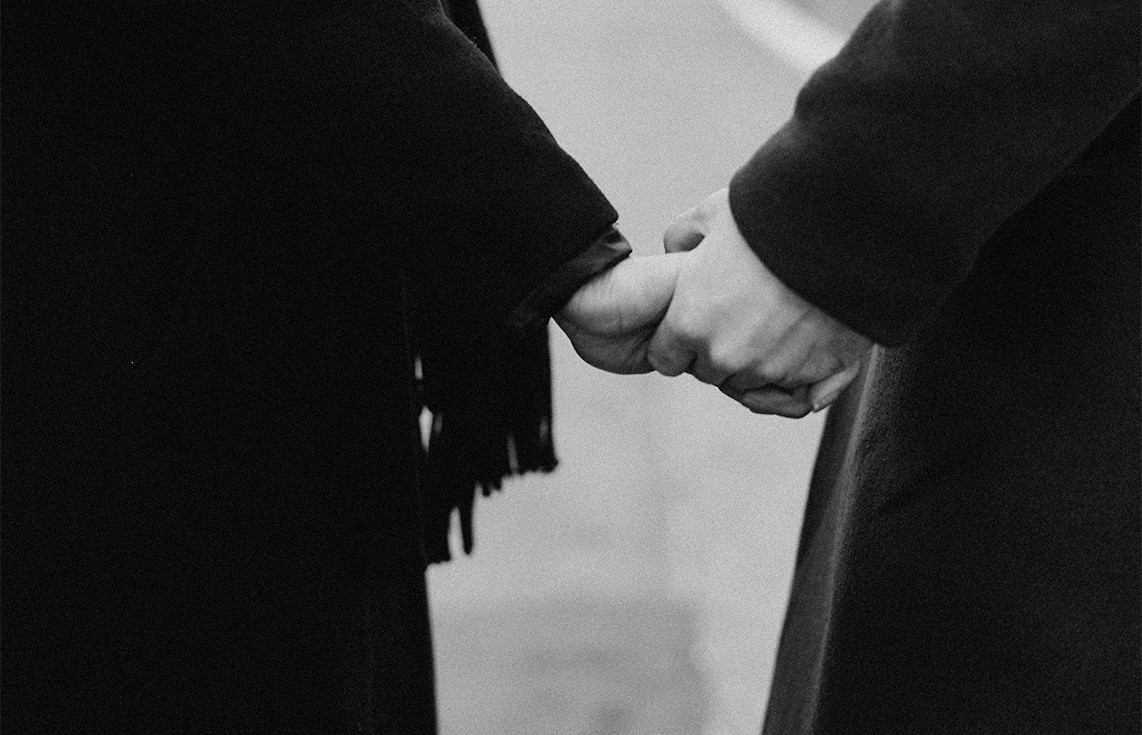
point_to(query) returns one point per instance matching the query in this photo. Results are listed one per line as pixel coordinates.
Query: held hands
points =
(612, 318)
(733, 324)
(711, 308)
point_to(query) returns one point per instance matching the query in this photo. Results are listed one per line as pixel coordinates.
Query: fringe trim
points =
(491, 419)
(491, 411)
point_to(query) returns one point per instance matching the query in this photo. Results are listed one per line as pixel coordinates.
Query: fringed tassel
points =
(491, 419)
(491, 407)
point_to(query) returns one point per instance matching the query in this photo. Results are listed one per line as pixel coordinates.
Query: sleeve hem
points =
(550, 296)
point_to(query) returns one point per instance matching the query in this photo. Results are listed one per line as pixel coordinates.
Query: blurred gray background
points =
(640, 589)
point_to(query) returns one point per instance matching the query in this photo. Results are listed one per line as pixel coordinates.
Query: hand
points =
(734, 324)
(611, 319)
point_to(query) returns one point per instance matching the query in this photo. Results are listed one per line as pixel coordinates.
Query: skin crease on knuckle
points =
(726, 360)
(774, 372)
(817, 366)
(732, 392)
(702, 371)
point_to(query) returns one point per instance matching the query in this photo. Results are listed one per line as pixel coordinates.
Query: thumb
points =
(668, 353)
(826, 391)
(639, 290)
(689, 228)
(632, 295)
(685, 232)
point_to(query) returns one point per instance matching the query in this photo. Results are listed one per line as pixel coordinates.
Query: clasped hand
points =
(710, 307)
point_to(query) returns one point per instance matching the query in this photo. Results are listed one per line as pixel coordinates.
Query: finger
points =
(639, 292)
(686, 231)
(634, 361)
(732, 392)
(786, 366)
(716, 367)
(629, 297)
(777, 401)
(762, 374)
(708, 372)
(668, 353)
(825, 392)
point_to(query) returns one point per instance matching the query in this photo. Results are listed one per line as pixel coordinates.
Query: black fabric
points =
(211, 217)
(558, 289)
(490, 418)
(490, 405)
(933, 126)
(466, 15)
(965, 176)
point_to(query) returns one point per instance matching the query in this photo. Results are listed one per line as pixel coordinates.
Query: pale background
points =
(640, 589)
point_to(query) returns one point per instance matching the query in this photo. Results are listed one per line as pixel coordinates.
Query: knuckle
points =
(724, 358)
(774, 376)
(659, 361)
(691, 331)
(799, 412)
(670, 358)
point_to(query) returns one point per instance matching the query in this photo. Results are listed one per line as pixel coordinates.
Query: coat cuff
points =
(550, 296)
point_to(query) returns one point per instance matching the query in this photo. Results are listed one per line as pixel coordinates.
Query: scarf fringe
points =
(491, 408)
(491, 419)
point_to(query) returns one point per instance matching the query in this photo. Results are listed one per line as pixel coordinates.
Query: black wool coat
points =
(961, 184)
(217, 219)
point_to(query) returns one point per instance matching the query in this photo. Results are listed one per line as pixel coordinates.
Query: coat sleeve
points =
(436, 164)
(934, 124)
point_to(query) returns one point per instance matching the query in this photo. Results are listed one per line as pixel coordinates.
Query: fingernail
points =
(823, 403)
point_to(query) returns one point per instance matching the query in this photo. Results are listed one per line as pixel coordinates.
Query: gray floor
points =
(640, 588)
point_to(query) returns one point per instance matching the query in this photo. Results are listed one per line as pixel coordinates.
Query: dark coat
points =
(963, 180)
(210, 506)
